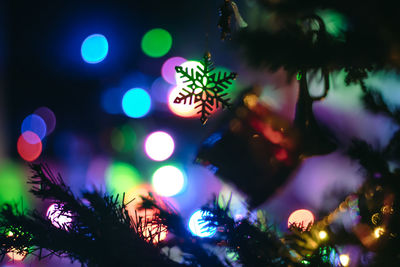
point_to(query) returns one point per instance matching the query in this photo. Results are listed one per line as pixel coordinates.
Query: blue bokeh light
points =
(111, 100)
(36, 124)
(199, 227)
(136, 103)
(94, 48)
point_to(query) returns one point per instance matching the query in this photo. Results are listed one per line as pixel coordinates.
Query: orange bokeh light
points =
(133, 201)
(301, 218)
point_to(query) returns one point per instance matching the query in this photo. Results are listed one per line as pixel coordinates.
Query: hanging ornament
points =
(315, 139)
(204, 87)
(257, 150)
(225, 12)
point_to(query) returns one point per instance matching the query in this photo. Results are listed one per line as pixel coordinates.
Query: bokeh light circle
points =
(168, 68)
(35, 124)
(94, 48)
(136, 103)
(198, 227)
(168, 181)
(48, 117)
(159, 146)
(111, 100)
(301, 218)
(121, 177)
(29, 151)
(182, 110)
(156, 42)
(160, 90)
(57, 217)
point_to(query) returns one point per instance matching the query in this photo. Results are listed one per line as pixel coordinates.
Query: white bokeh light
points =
(159, 146)
(57, 217)
(168, 181)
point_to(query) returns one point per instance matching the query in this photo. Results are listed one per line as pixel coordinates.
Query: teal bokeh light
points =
(136, 103)
(94, 48)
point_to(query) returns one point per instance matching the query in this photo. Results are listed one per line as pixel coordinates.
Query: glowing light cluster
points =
(156, 42)
(136, 103)
(199, 227)
(94, 48)
(168, 181)
(35, 124)
(57, 217)
(301, 218)
(159, 146)
(33, 129)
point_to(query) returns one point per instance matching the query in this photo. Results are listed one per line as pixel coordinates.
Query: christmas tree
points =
(289, 160)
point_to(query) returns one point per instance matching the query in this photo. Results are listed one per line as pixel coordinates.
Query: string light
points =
(198, 226)
(57, 217)
(301, 218)
(344, 259)
(378, 232)
(322, 235)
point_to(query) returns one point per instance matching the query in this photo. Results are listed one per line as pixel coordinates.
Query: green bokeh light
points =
(156, 42)
(121, 177)
(13, 188)
(123, 139)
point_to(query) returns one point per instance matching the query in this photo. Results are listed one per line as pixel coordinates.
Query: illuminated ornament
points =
(35, 124)
(168, 68)
(203, 88)
(121, 177)
(58, 217)
(322, 235)
(136, 103)
(29, 150)
(168, 181)
(301, 218)
(48, 117)
(94, 48)
(199, 227)
(344, 260)
(159, 146)
(156, 42)
(378, 232)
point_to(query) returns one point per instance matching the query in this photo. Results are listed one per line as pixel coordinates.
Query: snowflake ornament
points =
(204, 87)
